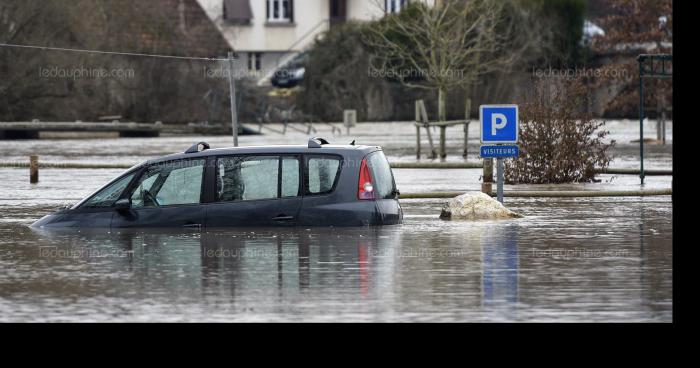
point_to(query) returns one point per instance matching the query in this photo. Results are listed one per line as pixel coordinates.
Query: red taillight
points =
(365, 188)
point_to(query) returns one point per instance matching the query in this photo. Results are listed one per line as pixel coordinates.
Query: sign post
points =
(499, 135)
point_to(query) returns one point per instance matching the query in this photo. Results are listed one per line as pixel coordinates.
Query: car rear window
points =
(382, 177)
(321, 173)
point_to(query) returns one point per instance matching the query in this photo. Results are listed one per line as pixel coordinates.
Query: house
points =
(268, 33)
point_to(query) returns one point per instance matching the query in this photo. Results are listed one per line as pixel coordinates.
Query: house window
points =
(394, 6)
(237, 11)
(280, 11)
(254, 61)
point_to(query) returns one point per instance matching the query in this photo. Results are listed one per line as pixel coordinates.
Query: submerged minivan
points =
(313, 185)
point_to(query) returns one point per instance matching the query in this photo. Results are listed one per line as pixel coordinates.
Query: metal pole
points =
(467, 111)
(232, 96)
(641, 121)
(499, 173)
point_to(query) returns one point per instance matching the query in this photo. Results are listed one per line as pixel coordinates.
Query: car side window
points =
(107, 196)
(290, 177)
(322, 173)
(169, 183)
(246, 178)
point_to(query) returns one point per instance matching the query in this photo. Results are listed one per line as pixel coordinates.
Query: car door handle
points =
(283, 218)
(192, 225)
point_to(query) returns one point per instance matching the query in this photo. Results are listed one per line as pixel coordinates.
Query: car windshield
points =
(107, 196)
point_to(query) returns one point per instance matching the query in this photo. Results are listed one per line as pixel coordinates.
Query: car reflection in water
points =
(252, 264)
(425, 270)
(289, 261)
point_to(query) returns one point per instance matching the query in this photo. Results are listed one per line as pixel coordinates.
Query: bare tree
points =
(29, 22)
(441, 45)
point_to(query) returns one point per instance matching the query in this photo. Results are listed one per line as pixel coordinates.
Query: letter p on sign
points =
(499, 123)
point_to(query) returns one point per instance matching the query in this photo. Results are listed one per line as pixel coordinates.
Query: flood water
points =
(568, 259)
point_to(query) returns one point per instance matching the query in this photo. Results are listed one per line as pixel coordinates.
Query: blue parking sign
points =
(499, 123)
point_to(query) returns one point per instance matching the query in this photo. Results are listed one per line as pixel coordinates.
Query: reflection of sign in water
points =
(499, 279)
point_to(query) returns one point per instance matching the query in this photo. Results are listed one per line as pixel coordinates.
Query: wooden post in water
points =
(443, 149)
(417, 142)
(417, 111)
(663, 125)
(442, 117)
(467, 115)
(349, 119)
(33, 169)
(420, 107)
(487, 185)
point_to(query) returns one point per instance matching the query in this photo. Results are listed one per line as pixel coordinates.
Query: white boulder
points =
(475, 206)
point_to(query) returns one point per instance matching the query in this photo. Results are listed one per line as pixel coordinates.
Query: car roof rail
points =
(317, 142)
(195, 147)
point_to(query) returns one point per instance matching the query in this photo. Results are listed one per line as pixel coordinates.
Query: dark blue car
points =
(314, 185)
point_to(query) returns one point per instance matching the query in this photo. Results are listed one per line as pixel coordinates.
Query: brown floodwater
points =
(568, 259)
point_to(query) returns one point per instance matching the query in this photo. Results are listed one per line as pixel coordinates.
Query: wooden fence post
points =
(33, 169)
(467, 120)
(417, 142)
(443, 149)
(487, 185)
(420, 105)
(417, 113)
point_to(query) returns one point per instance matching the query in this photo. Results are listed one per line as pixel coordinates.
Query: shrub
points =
(559, 140)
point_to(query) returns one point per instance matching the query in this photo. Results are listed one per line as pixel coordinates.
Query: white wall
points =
(310, 19)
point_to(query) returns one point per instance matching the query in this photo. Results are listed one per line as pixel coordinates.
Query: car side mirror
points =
(122, 204)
